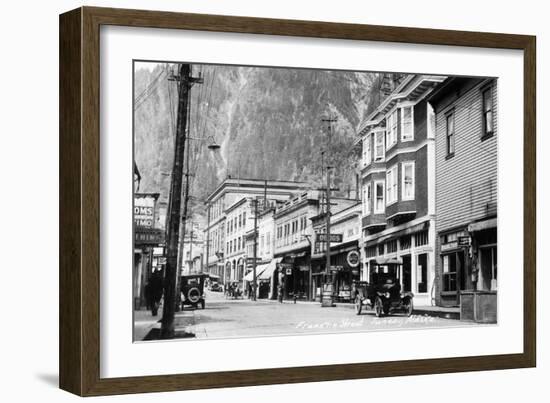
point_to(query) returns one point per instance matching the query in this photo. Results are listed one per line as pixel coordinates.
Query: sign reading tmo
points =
(144, 211)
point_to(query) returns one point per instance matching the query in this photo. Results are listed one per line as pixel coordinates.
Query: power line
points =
(148, 91)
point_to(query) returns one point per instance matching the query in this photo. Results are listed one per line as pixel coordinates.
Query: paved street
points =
(224, 318)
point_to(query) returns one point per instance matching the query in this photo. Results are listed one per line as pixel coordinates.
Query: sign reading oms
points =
(144, 212)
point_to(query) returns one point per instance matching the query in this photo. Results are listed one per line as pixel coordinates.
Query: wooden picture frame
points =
(79, 346)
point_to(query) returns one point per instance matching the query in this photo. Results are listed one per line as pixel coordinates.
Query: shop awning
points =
(270, 269)
(482, 225)
(387, 260)
(394, 235)
(259, 269)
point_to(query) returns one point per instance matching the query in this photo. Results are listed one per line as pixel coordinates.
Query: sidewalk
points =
(144, 322)
(423, 310)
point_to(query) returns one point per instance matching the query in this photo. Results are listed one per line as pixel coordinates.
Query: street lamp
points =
(212, 146)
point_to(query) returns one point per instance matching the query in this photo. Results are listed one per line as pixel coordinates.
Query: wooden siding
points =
(466, 184)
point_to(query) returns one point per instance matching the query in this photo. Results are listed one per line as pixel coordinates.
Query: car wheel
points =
(358, 305)
(408, 306)
(193, 295)
(378, 307)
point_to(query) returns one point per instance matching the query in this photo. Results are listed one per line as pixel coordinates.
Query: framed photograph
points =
(249, 201)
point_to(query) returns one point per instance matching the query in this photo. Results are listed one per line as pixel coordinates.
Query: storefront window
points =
(488, 272)
(422, 273)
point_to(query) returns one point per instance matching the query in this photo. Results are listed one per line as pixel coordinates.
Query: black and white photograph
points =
(274, 201)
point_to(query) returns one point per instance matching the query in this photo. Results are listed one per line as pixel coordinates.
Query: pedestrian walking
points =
(155, 291)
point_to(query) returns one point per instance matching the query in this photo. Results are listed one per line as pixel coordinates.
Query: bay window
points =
(407, 127)
(391, 126)
(407, 185)
(367, 199)
(379, 146)
(379, 194)
(366, 151)
(391, 185)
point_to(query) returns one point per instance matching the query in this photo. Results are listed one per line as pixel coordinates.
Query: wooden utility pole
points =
(328, 279)
(184, 81)
(254, 279)
(329, 121)
(208, 238)
(327, 217)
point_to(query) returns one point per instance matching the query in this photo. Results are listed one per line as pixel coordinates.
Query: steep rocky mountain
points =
(268, 121)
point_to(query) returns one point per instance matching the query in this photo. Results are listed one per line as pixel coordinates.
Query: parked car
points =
(383, 291)
(215, 286)
(192, 290)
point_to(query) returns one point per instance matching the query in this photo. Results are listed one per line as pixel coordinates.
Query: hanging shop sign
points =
(336, 238)
(353, 258)
(148, 236)
(144, 211)
(449, 246)
(464, 241)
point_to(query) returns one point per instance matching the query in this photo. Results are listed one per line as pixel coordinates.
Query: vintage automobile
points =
(215, 286)
(192, 290)
(383, 291)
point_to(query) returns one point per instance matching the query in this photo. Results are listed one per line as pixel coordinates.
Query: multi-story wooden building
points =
(217, 236)
(466, 187)
(398, 184)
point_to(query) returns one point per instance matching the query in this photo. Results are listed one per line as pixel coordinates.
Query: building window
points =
(379, 194)
(391, 126)
(391, 185)
(422, 273)
(407, 127)
(450, 134)
(407, 185)
(367, 196)
(391, 246)
(421, 238)
(379, 146)
(487, 112)
(380, 249)
(366, 151)
(370, 251)
(488, 272)
(405, 242)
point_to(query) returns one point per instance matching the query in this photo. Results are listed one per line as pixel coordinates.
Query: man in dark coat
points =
(155, 289)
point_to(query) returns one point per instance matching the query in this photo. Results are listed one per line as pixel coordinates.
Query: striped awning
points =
(270, 269)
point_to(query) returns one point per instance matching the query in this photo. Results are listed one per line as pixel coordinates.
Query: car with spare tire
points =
(192, 290)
